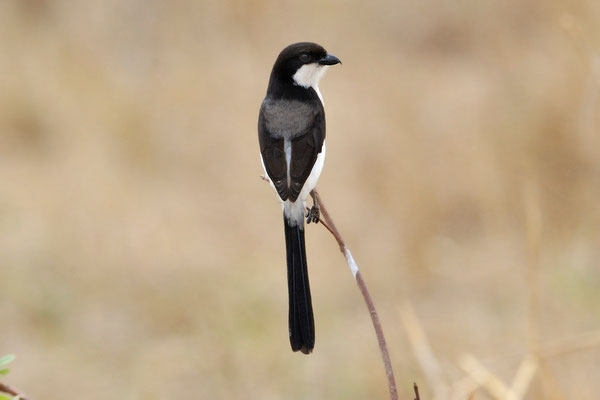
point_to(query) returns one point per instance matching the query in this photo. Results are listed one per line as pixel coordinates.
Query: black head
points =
(297, 55)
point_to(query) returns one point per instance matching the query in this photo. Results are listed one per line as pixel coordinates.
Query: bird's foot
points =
(313, 215)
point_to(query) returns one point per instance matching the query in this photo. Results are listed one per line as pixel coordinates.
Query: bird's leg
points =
(314, 213)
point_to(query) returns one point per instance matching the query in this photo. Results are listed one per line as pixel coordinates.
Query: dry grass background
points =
(142, 257)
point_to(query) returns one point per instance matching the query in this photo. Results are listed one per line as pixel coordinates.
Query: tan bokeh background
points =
(141, 257)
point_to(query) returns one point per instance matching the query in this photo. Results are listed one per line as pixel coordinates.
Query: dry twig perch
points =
(416, 388)
(330, 226)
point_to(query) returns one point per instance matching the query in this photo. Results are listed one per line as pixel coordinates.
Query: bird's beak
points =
(329, 59)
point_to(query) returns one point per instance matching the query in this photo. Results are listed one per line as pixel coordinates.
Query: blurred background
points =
(141, 256)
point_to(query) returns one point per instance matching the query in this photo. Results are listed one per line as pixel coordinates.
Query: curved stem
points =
(385, 355)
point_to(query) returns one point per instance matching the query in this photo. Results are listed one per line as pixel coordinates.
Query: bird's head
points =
(303, 64)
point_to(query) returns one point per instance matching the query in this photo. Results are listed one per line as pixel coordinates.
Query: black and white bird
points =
(291, 134)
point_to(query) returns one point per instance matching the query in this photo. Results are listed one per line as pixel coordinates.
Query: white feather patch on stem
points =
(351, 262)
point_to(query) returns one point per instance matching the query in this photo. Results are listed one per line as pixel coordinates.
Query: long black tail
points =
(301, 320)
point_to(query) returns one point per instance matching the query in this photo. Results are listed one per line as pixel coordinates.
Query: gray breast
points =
(287, 118)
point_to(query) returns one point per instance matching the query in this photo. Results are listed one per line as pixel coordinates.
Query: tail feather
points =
(301, 320)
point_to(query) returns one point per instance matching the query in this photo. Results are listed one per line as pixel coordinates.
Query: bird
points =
(291, 135)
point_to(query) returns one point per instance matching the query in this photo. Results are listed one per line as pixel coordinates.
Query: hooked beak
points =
(329, 59)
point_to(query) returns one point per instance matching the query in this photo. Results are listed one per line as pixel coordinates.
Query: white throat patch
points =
(309, 75)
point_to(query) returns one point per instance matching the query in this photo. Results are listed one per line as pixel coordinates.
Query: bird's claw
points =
(313, 215)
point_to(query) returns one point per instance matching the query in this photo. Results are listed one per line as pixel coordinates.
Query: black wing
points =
(273, 156)
(305, 149)
(306, 142)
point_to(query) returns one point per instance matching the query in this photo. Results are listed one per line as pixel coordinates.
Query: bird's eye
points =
(304, 57)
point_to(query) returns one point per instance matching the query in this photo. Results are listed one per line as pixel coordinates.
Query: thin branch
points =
(330, 226)
(4, 388)
(416, 388)
(328, 222)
